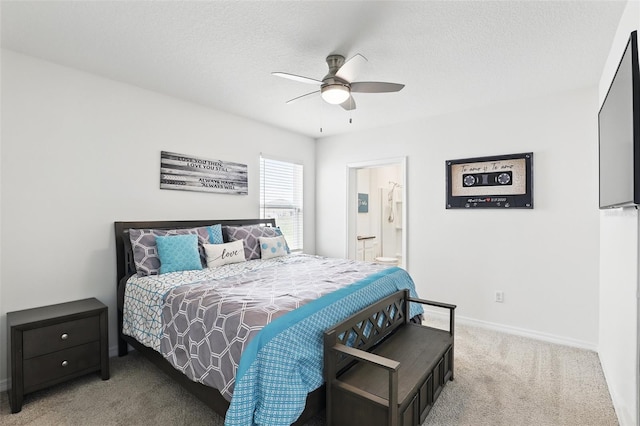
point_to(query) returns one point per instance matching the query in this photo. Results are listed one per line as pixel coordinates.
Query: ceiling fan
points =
(337, 86)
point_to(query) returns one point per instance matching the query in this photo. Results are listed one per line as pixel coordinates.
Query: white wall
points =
(545, 260)
(80, 152)
(618, 345)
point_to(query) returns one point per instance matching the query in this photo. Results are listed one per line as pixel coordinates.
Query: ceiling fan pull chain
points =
(321, 111)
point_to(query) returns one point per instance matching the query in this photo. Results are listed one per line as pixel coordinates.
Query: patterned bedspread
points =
(144, 296)
(255, 333)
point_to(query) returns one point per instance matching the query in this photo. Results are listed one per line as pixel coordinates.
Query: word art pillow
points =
(222, 254)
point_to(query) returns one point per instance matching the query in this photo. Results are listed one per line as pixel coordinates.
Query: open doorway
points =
(377, 218)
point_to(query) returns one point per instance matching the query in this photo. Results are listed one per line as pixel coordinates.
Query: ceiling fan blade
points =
(349, 70)
(297, 78)
(302, 96)
(375, 87)
(349, 104)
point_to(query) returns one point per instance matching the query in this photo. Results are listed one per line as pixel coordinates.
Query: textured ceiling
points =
(452, 55)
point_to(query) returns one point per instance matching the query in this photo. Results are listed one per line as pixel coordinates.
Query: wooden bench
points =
(382, 369)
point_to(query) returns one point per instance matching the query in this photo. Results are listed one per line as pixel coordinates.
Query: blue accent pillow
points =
(178, 253)
(215, 234)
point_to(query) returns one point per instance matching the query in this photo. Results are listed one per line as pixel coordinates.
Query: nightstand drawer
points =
(64, 335)
(47, 368)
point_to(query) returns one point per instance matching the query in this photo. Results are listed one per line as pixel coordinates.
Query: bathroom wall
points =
(390, 211)
(376, 182)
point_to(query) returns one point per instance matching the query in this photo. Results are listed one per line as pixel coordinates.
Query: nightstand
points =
(55, 343)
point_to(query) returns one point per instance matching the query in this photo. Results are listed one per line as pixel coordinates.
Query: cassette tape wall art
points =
(502, 181)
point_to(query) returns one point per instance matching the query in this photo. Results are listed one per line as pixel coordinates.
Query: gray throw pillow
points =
(250, 234)
(145, 250)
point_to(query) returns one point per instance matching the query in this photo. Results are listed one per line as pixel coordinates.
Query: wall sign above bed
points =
(503, 181)
(189, 173)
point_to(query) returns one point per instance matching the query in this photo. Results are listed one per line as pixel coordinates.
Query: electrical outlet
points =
(499, 296)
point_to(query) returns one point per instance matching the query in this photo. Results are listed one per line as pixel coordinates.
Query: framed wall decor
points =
(189, 173)
(363, 203)
(502, 181)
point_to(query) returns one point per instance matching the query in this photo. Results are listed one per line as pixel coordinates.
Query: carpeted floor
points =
(500, 380)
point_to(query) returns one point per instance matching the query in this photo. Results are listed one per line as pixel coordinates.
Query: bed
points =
(308, 294)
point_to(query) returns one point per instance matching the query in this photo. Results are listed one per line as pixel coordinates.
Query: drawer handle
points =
(65, 363)
(64, 336)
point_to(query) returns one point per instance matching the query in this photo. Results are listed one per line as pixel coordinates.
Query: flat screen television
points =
(619, 134)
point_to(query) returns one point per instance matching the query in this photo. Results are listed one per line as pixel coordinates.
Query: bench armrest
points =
(433, 303)
(386, 363)
(448, 306)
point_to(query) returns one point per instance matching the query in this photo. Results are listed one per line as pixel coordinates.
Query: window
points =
(281, 198)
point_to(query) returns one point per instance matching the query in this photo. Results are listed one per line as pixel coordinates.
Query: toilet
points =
(391, 261)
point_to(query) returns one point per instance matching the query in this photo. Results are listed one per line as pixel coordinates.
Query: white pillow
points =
(272, 247)
(222, 254)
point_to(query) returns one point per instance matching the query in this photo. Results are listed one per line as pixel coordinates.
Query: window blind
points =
(281, 192)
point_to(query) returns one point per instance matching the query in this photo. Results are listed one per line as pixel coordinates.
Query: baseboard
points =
(522, 332)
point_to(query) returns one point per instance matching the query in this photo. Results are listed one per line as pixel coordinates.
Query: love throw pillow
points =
(222, 254)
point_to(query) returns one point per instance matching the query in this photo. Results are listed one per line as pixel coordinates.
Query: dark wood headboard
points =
(124, 253)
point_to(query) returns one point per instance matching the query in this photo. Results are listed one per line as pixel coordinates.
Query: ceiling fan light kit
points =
(335, 94)
(336, 87)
